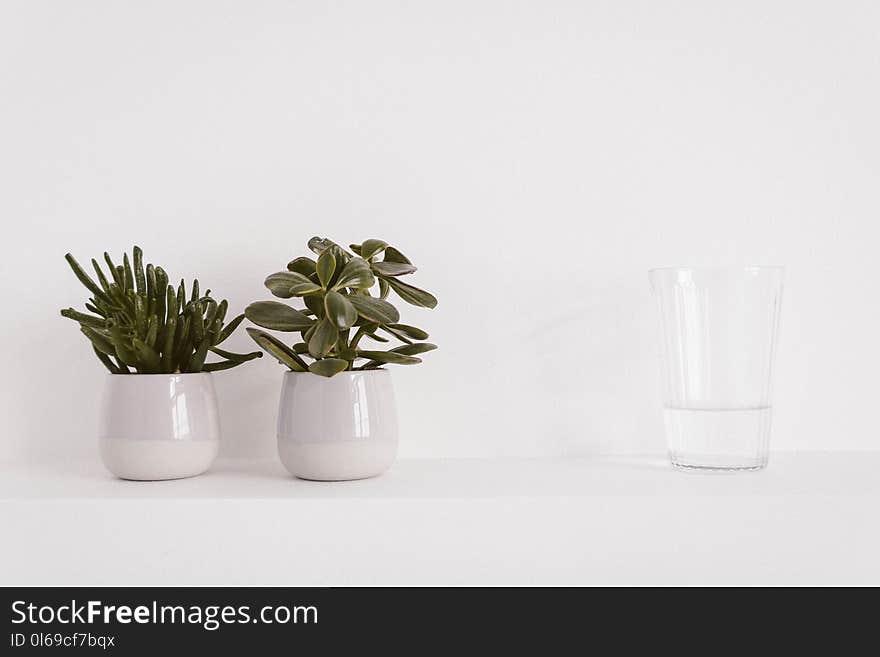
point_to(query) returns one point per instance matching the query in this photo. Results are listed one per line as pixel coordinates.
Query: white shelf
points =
(810, 518)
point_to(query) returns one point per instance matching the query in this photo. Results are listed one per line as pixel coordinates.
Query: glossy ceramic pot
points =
(159, 426)
(337, 428)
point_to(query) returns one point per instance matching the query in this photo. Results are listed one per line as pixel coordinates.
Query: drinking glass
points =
(718, 335)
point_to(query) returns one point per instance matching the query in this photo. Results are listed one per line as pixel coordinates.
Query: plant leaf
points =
(85, 279)
(393, 268)
(375, 310)
(356, 274)
(277, 315)
(372, 247)
(340, 310)
(275, 347)
(283, 283)
(393, 255)
(410, 331)
(239, 358)
(147, 357)
(412, 294)
(326, 267)
(389, 357)
(303, 265)
(323, 338)
(328, 366)
(414, 349)
(229, 328)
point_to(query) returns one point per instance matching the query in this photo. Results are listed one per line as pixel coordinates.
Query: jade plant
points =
(138, 323)
(345, 303)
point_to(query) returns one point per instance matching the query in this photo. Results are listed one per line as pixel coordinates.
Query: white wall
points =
(533, 158)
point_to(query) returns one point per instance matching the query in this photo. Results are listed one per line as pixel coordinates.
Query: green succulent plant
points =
(138, 323)
(339, 310)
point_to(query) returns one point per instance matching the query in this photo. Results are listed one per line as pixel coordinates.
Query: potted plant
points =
(337, 418)
(159, 415)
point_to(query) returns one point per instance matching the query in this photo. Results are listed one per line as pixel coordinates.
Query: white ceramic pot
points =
(337, 428)
(159, 426)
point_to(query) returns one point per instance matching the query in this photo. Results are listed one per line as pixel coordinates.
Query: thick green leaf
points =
(412, 294)
(197, 361)
(393, 255)
(414, 349)
(221, 365)
(83, 318)
(393, 268)
(148, 359)
(275, 347)
(372, 247)
(323, 338)
(277, 315)
(397, 334)
(339, 309)
(375, 310)
(139, 278)
(99, 339)
(355, 274)
(326, 267)
(85, 279)
(384, 288)
(389, 357)
(410, 331)
(314, 303)
(301, 348)
(105, 285)
(229, 328)
(105, 359)
(320, 244)
(328, 366)
(239, 358)
(282, 283)
(305, 266)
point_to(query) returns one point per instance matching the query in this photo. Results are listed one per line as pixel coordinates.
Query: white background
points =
(534, 159)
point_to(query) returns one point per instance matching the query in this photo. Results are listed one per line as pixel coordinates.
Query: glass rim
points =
(718, 268)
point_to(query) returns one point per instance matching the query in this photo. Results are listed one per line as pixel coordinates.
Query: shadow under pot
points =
(159, 426)
(337, 428)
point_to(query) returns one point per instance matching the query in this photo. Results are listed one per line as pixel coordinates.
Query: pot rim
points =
(378, 370)
(138, 375)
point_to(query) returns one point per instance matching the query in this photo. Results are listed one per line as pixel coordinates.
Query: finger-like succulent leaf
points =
(84, 278)
(326, 267)
(392, 268)
(278, 349)
(277, 315)
(305, 266)
(83, 318)
(412, 294)
(340, 310)
(356, 274)
(139, 321)
(138, 265)
(323, 338)
(375, 310)
(328, 366)
(239, 358)
(371, 248)
(99, 339)
(389, 357)
(148, 359)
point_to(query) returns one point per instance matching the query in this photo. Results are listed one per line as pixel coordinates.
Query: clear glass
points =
(718, 335)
